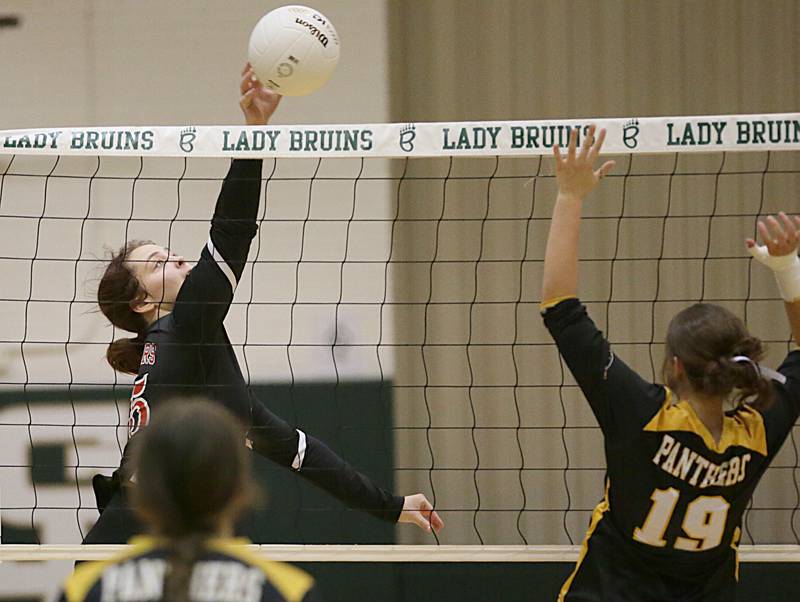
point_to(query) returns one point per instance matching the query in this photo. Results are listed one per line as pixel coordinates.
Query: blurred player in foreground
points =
(193, 479)
(680, 469)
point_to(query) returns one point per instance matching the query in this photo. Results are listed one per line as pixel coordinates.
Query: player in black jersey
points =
(181, 349)
(193, 480)
(679, 469)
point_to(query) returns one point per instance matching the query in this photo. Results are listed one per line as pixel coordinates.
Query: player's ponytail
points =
(750, 383)
(719, 356)
(118, 289)
(192, 475)
(183, 553)
(124, 355)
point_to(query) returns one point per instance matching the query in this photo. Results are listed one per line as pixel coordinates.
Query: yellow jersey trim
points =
(597, 514)
(291, 582)
(545, 305)
(744, 429)
(80, 583)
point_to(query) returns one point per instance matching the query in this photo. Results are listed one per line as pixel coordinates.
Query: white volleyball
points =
(294, 50)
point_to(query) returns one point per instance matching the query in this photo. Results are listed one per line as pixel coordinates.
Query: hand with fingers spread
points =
(779, 252)
(780, 237)
(258, 102)
(575, 173)
(418, 510)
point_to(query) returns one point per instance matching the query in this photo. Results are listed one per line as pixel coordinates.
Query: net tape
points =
(780, 131)
(379, 553)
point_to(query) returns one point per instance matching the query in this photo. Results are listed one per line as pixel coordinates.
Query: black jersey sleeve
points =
(782, 413)
(621, 400)
(207, 292)
(273, 438)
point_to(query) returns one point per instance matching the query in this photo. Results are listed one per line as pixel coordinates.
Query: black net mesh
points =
(417, 279)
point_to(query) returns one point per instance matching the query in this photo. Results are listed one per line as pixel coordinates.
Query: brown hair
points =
(706, 337)
(118, 290)
(192, 470)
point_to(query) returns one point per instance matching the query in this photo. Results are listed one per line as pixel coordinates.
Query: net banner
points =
(398, 140)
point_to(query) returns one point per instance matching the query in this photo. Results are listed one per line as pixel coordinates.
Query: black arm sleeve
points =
(782, 413)
(620, 399)
(207, 292)
(273, 438)
(234, 223)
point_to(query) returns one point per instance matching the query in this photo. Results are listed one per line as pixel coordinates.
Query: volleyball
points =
(294, 50)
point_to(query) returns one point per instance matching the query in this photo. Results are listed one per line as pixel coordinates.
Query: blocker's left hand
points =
(780, 237)
(575, 172)
(418, 510)
(258, 102)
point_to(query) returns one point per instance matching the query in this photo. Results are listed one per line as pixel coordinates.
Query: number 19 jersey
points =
(669, 523)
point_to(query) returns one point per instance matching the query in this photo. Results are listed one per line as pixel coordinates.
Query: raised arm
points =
(781, 239)
(206, 294)
(779, 253)
(576, 178)
(606, 381)
(234, 223)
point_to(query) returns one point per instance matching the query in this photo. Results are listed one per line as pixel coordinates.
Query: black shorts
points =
(612, 570)
(117, 522)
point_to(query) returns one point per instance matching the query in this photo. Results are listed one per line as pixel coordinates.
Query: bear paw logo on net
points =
(407, 135)
(630, 133)
(188, 136)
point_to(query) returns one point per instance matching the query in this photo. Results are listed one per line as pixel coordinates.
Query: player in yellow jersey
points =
(680, 469)
(192, 474)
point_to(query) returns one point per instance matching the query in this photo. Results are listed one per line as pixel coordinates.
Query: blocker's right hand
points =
(258, 102)
(418, 510)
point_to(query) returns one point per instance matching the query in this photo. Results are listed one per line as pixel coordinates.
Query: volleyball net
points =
(406, 256)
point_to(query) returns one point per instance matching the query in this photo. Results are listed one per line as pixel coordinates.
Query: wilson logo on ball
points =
(323, 39)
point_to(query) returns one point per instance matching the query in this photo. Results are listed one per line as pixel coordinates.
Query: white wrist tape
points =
(786, 269)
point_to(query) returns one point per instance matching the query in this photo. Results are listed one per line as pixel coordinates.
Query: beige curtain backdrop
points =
(528, 59)
(499, 60)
